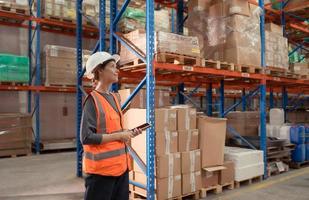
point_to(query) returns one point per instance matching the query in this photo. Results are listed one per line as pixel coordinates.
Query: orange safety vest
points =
(112, 158)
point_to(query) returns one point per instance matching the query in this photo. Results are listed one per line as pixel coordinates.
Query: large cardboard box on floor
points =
(168, 165)
(188, 140)
(168, 187)
(191, 182)
(227, 175)
(164, 43)
(210, 177)
(166, 142)
(186, 117)
(190, 161)
(212, 140)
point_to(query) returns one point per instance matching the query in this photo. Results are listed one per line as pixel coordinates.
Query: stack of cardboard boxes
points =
(164, 43)
(60, 65)
(227, 30)
(276, 47)
(177, 151)
(300, 68)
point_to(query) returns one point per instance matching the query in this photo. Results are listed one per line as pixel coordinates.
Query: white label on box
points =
(166, 94)
(209, 174)
(192, 112)
(235, 9)
(245, 75)
(195, 133)
(173, 115)
(187, 68)
(174, 134)
(59, 2)
(54, 51)
(167, 142)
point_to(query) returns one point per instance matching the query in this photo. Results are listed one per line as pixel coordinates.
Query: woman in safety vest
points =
(106, 160)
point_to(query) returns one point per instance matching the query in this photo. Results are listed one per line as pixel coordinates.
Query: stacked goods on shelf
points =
(164, 43)
(248, 163)
(16, 134)
(227, 31)
(212, 141)
(60, 65)
(171, 164)
(307, 142)
(300, 68)
(135, 18)
(162, 97)
(59, 9)
(15, 6)
(276, 47)
(14, 68)
(299, 116)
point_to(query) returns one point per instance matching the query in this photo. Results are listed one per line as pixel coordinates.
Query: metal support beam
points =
(137, 184)
(221, 108)
(150, 100)
(263, 143)
(244, 103)
(284, 101)
(180, 8)
(234, 133)
(119, 15)
(283, 24)
(37, 79)
(79, 93)
(191, 100)
(134, 93)
(271, 99)
(180, 98)
(209, 100)
(173, 20)
(102, 25)
(113, 13)
(299, 46)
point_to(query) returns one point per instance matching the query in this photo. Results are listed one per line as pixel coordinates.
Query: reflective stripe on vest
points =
(105, 155)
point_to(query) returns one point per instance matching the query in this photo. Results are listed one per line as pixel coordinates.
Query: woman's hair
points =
(99, 67)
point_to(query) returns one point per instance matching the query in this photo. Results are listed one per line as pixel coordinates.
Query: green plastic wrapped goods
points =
(136, 14)
(276, 5)
(14, 68)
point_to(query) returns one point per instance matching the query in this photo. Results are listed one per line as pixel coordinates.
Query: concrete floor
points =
(52, 177)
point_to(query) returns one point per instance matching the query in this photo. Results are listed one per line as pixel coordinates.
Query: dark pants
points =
(107, 187)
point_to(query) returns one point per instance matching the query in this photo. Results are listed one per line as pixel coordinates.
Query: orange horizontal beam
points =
(39, 88)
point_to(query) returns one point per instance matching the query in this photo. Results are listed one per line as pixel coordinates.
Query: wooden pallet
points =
(177, 59)
(13, 153)
(142, 195)
(248, 181)
(295, 165)
(57, 145)
(217, 64)
(217, 189)
(229, 186)
(276, 71)
(59, 18)
(14, 8)
(135, 64)
(248, 69)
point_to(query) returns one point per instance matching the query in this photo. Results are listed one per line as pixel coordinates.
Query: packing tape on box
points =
(170, 165)
(188, 141)
(192, 182)
(167, 142)
(192, 161)
(170, 187)
(187, 119)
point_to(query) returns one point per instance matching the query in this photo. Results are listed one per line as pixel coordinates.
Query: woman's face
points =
(110, 73)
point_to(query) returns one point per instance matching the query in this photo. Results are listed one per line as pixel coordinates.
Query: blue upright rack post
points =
(180, 19)
(209, 100)
(263, 138)
(221, 106)
(150, 88)
(37, 78)
(79, 94)
(284, 101)
(271, 98)
(244, 102)
(180, 97)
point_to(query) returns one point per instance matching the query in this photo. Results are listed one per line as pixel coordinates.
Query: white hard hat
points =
(98, 58)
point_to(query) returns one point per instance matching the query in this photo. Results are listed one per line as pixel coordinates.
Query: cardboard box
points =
(300, 68)
(239, 7)
(168, 165)
(186, 117)
(212, 140)
(191, 182)
(166, 142)
(169, 187)
(190, 161)
(166, 119)
(242, 55)
(218, 10)
(227, 175)
(188, 140)
(273, 28)
(210, 178)
(198, 5)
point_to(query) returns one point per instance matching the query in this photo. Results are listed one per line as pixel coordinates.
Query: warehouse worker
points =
(106, 161)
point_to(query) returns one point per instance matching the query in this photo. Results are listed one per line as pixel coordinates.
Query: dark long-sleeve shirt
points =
(88, 134)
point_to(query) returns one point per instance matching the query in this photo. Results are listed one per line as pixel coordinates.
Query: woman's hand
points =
(125, 136)
(137, 131)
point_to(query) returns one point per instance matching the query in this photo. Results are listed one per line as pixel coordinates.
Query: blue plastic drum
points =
(297, 134)
(299, 154)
